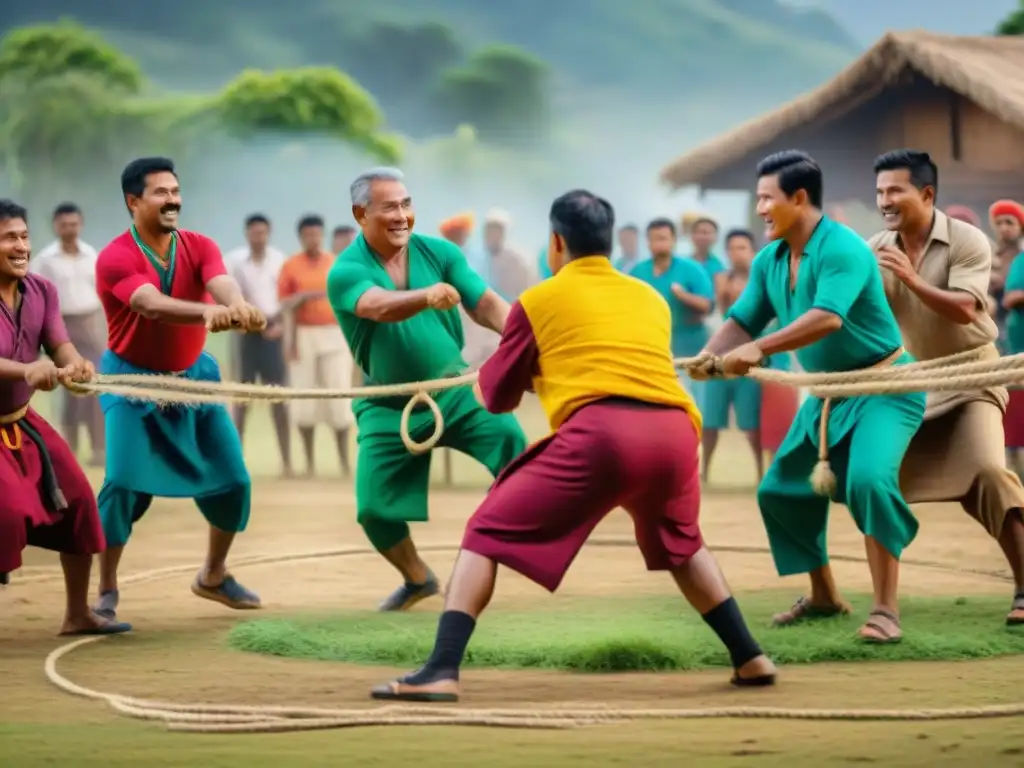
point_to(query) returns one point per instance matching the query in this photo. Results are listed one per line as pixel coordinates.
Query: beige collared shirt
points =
(957, 257)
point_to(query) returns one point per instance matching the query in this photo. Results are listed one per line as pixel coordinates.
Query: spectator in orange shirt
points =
(318, 355)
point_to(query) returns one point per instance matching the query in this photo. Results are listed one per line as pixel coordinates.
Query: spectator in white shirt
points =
(257, 267)
(70, 264)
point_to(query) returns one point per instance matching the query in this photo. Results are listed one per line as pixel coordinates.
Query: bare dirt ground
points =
(178, 653)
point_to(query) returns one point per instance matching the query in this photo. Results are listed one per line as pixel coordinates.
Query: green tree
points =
(315, 100)
(502, 91)
(32, 54)
(1014, 23)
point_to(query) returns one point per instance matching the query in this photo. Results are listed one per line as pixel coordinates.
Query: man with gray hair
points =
(395, 295)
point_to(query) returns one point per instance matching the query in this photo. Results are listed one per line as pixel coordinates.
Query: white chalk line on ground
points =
(232, 718)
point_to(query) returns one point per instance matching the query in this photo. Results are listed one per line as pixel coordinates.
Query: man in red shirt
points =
(153, 281)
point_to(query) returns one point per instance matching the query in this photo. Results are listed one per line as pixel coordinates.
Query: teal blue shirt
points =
(1015, 317)
(712, 265)
(543, 270)
(839, 274)
(689, 332)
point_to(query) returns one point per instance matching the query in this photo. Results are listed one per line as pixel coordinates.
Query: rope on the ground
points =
(234, 718)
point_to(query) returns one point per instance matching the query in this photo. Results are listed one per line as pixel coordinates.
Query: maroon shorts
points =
(612, 453)
(24, 519)
(1013, 421)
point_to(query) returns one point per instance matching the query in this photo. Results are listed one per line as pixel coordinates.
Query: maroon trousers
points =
(26, 518)
(611, 453)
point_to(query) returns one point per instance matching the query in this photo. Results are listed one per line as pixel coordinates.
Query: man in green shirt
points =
(821, 281)
(395, 295)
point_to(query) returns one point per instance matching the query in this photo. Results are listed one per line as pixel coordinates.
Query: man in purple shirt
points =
(46, 500)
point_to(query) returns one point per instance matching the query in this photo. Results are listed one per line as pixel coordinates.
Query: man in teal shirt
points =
(394, 295)
(821, 281)
(703, 236)
(685, 286)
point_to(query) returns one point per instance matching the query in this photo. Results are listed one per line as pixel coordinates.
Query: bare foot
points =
(91, 623)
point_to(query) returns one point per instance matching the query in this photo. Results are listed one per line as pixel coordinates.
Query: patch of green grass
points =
(637, 634)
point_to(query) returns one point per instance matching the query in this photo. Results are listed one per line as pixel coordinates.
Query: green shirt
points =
(1015, 317)
(426, 346)
(839, 274)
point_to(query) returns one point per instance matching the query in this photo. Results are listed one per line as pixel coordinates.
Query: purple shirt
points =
(35, 325)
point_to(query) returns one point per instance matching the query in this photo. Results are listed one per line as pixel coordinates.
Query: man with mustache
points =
(821, 281)
(153, 281)
(395, 295)
(936, 273)
(47, 501)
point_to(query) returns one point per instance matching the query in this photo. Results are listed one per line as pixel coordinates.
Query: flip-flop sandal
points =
(439, 691)
(113, 628)
(803, 610)
(886, 637)
(1016, 615)
(229, 592)
(407, 595)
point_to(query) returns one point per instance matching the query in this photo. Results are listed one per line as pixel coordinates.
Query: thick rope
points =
(235, 718)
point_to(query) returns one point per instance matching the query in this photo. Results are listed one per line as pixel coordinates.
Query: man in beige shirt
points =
(936, 274)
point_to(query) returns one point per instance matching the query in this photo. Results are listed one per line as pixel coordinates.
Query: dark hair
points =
(66, 209)
(923, 171)
(133, 177)
(629, 228)
(312, 220)
(256, 218)
(704, 220)
(795, 170)
(740, 233)
(661, 223)
(343, 229)
(585, 221)
(12, 210)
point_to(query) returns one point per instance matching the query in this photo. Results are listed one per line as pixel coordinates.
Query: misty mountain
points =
(867, 20)
(763, 50)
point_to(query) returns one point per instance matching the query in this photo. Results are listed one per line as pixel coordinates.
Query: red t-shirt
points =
(122, 268)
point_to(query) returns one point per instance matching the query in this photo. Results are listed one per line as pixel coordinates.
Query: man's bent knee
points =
(227, 511)
(383, 534)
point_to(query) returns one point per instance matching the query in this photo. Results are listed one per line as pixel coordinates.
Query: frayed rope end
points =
(823, 479)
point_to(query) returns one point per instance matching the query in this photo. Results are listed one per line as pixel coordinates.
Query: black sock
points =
(728, 623)
(453, 633)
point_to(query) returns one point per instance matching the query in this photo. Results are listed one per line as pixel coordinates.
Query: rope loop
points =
(418, 448)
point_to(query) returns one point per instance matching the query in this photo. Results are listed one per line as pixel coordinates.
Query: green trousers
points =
(866, 461)
(392, 483)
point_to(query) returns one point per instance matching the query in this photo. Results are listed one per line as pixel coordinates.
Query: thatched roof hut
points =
(959, 98)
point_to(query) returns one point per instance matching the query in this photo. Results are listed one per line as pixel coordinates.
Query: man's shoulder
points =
(48, 251)
(38, 286)
(885, 237)
(965, 237)
(118, 248)
(197, 240)
(839, 237)
(436, 245)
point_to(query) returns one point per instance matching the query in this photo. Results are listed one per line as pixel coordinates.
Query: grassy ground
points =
(632, 635)
(179, 650)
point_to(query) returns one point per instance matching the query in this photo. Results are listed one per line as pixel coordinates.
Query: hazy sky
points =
(867, 20)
